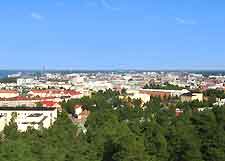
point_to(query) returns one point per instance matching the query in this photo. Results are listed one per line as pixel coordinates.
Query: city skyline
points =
(106, 34)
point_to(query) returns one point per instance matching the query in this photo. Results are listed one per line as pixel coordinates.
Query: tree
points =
(211, 133)
(129, 148)
(10, 130)
(137, 103)
(39, 104)
(123, 91)
(155, 141)
(183, 142)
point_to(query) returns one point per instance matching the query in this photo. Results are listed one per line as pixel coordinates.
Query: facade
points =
(26, 102)
(78, 109)
(24, 81)
(136, 94)
(189, 97)
(179, 112)
(50, 104)
(28, 117)
(99, 85)
(55, 93)
(144, 97)
(16, 103)
(163, 93)
(8, 93)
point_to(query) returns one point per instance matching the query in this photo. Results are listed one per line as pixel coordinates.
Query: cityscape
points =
(112, 80)
(36, 100)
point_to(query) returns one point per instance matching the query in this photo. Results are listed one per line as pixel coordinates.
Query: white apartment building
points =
(24, 81)
(28, 117)
(99, 85)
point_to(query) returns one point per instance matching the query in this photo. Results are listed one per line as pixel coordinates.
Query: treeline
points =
(8, 80)
(122, 130)
(215, 93)
(165, 86)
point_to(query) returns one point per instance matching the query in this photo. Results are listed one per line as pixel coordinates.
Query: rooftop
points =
(26, 109)
(8, 91)
(187, 94)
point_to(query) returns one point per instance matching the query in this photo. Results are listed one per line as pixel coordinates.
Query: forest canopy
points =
(122, 130)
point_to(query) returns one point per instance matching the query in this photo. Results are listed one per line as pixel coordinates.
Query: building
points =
(136, 94)
(78, 109)
(28, 117)
(163, 93)
(24, 81)
(189, 97)
(144, 97)
(8, 93)
(179, 112)
(97, 85)
(80, 116)
(50, 104)
(27, 102)
(55, 93)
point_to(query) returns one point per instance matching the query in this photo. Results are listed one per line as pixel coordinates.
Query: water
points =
(5, 73)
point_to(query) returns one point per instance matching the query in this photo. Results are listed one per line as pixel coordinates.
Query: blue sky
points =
(112, 34)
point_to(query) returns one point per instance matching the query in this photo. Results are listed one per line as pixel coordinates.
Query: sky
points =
(112, 34)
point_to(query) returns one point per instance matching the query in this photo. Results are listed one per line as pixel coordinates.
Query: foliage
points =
(194, 105)
(8, 80)
(215, 93)
(122, 130)
(39, 104)
(165, 86)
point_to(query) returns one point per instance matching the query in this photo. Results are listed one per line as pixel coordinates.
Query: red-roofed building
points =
(179, 112)
(8, 93)
(55, 93)
(27, 101)
(50, 104)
